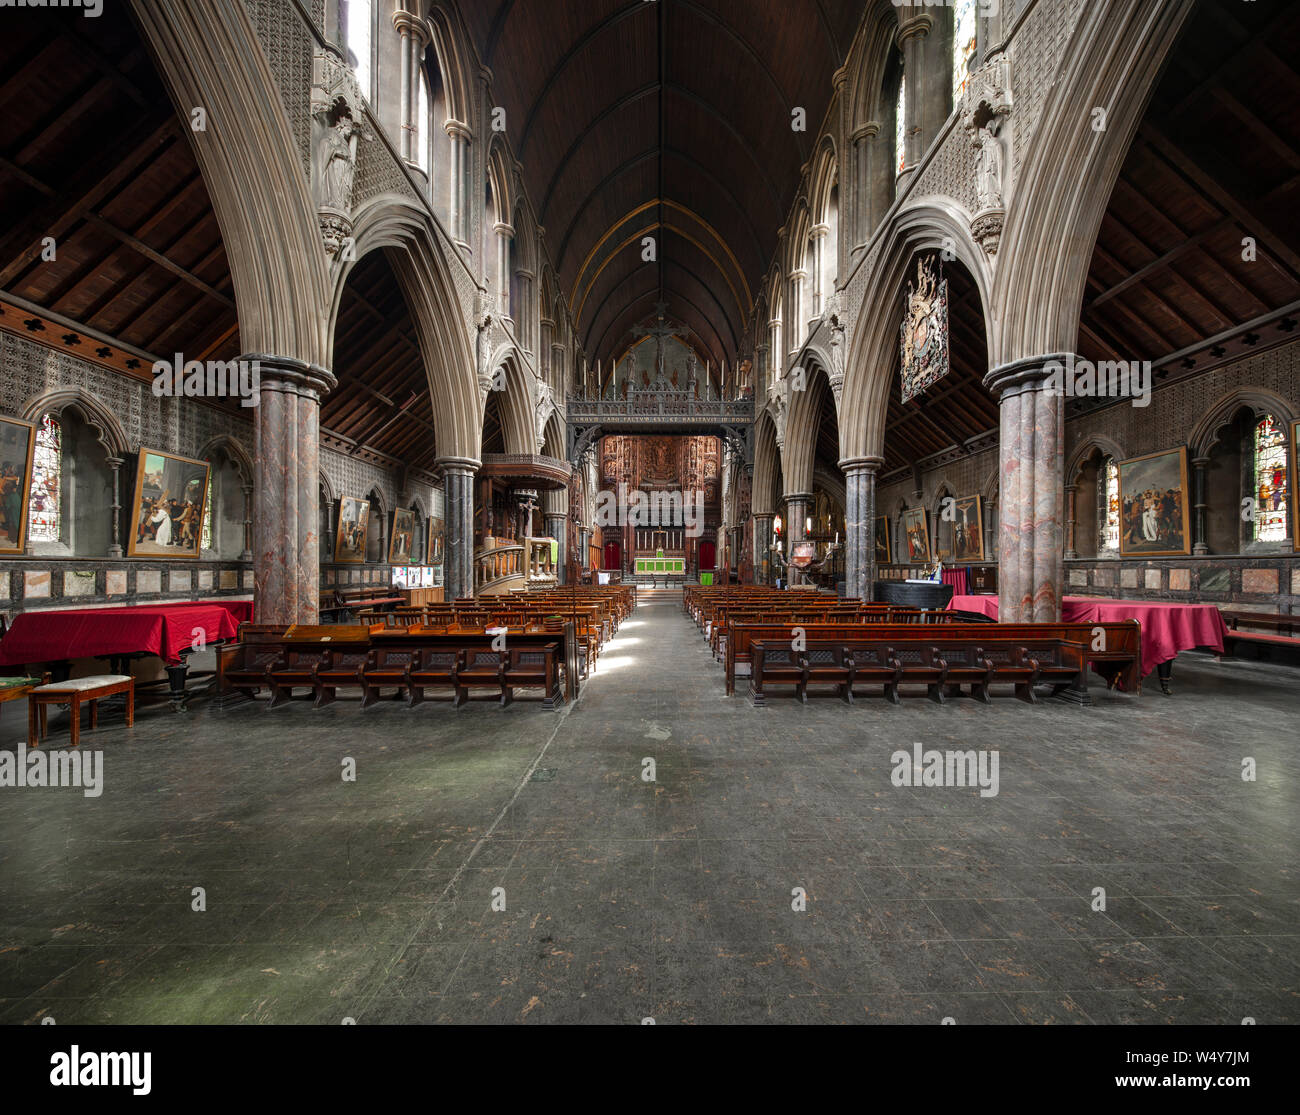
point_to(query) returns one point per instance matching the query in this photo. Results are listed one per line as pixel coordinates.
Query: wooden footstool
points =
(74, 693)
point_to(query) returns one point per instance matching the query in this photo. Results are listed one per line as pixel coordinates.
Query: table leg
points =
(94, 713)
(1165, 671)
(45, 724)
(75, 708)
(176, 677)
(32, 720)
(130, 706)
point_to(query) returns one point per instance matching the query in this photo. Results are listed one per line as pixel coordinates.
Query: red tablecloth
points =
(1166, 628)
(161, 629)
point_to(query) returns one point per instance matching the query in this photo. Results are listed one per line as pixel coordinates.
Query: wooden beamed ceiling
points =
(672, 120)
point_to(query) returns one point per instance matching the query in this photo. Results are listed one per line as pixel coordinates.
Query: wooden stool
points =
(74, 692)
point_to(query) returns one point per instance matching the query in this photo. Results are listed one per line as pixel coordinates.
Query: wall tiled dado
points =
(1261, 584)
(43, 583)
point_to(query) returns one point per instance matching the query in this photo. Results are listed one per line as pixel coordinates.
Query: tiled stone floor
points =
(670, 899)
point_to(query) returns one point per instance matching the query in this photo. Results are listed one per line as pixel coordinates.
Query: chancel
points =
(521, 490)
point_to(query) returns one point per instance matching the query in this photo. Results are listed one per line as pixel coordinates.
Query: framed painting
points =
(884, 554)
(962, 535)
(403, 537)
(1295, 483)
(350, 539)
(17, 445)
(1154, 512)
(916, 530)
(437, 541)
(170, 499)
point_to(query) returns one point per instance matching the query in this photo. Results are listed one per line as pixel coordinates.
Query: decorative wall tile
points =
(1152, 578)
(79, 582)
(1259, 580)
(115, 582)
(1216, 580)
(148, 580)
(1295, 582)
(1104, 576)
(4, 585)
(36, 583)
(205, 579)
(248, 578)
(1078, 576)
(1180, 580)
(1128, 578)
(179, 580)
(229, 578)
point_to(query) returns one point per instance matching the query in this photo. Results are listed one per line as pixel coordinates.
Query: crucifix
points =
(659, 331)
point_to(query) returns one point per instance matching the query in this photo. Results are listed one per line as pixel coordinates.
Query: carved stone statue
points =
(988, 176)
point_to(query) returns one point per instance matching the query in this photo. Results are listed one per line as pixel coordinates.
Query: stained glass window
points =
(1108, 502)
(1271, 487)
(206, 542)
(963, 45)
(358, 16)
(47, 482)
(900, 125)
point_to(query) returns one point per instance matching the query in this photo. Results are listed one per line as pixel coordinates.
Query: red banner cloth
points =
(1166, 628)
(161, 629)
(955, 575)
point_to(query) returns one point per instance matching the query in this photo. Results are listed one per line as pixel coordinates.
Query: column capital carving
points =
(505, 230)
(463, 465)
(408, 23)
(869, 130)
(921, 24)
(1027, 374)
(798, 497)
(457, 130)
(861, 464)
(286, 373)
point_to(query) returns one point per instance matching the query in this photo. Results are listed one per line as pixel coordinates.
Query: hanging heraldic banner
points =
(924, 340)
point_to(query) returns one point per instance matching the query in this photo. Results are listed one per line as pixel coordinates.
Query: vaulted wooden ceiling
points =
(669, 119)
(93, 155)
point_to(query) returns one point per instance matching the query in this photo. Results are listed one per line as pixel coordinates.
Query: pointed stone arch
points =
(108, 430)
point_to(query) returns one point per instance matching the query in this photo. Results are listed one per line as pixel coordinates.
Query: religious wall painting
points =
(884, 555)
(1154, 512)
(167, 513)
(350, 541)
(437, 541)
(923, 342)
(17, 444)
(961, 530)
(916, 533)
(402, 542)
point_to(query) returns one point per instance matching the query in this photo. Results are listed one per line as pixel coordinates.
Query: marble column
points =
(286, 546)
(762, 543)
(1071, 521)
(115, 539)
(1199, 505)
(458, 491)
(555, 528)
(797, 508)
(1031, 501)
(860, 525)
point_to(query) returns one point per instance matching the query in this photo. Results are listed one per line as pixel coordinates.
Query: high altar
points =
(668, 565)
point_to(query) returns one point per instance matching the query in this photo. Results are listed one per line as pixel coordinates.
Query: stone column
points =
(505, 234)
(414, 37)
(525, 321)
(762, 542)
(286, 548)
(115, 539)
(860, 525)
(875, 179)
(1031, 465)
(818, 233)
(797, 507)
(1200, 506)
(458, 193)
(458, 491)
(555, 528)
(1071, 522)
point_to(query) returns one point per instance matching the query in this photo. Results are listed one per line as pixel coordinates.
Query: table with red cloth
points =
(167, 630)
(1166, 628)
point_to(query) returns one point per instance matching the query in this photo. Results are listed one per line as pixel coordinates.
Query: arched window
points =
(44, 518)
(963, 46)
(423, 139)
(356, 17)
(900, 125)
(1108, 507)
(1270, 472)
